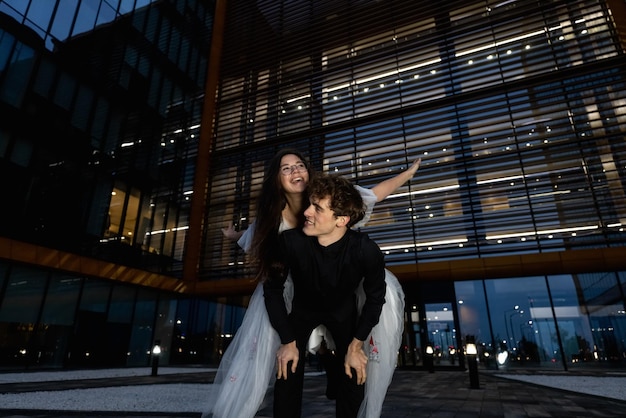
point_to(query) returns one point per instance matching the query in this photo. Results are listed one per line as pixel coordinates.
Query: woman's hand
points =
(230, 233)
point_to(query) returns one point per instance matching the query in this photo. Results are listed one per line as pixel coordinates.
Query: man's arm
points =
(273, 289)
(374, 287)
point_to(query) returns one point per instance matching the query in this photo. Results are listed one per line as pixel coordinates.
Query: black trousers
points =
(288, 392)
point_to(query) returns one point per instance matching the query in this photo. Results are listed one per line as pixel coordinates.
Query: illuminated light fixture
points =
(295, 99)
(495, 180)
(164, 231)
(424, 244)
(470, 349)
(541, 232)
(426, 191)
(497, 44)
(502, 357)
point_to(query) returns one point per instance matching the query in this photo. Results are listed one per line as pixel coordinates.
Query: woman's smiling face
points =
(294, 176)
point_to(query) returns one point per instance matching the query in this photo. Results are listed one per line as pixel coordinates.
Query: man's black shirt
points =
(325, 281)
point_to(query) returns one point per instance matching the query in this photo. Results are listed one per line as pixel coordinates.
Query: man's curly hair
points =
(344, 198)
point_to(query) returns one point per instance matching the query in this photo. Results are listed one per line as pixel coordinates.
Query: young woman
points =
(247, 366)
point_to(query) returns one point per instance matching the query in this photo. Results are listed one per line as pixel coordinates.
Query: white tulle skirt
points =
(247, 369)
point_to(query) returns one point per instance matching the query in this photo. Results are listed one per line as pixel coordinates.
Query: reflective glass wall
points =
(50, 320)
(567, 321)
(101, 104)
(516, 109)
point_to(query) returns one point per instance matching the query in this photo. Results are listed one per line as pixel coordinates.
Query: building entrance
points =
(441, 334)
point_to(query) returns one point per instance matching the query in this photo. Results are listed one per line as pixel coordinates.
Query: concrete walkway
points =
(442, 394)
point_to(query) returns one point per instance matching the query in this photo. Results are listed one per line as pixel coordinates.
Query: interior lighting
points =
(542, 232)
(498, 44)
(429, 244)
(295, 99)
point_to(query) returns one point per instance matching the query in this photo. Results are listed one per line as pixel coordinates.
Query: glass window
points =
(142, 333)
(17, 75)
(23, 296)
(65, 90)
(441, 332)
(86, 19)
(83, 106)
(474, 318)
(14, 7)
(63, 19)
(604, 303)
(41, 13)
(121, 306)
(6, 46)
(106, 14)
(523, 324)
(95, 296)
(61, 300)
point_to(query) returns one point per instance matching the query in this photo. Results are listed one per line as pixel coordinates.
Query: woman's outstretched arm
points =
(386, 187)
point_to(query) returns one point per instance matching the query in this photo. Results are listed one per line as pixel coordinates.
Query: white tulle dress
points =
(247, 368)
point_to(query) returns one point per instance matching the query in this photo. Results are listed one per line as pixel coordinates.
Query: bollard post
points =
(156, 353)
(472, 364)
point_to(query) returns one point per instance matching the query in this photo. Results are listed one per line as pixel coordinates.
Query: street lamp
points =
(156, 353)
(429, 358)
(472, 354)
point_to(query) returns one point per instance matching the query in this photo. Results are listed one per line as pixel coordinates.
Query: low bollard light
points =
(429, 359)
(156, 353)
(472, 355)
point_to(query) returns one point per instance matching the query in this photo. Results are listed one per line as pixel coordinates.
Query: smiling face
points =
(321, 222)
(294, 175)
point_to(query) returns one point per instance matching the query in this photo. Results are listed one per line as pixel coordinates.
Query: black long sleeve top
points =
(325, 281)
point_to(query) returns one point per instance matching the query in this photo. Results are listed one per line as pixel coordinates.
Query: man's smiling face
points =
(321, 221)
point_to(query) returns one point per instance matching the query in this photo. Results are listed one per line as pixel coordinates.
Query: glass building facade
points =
(132, 131)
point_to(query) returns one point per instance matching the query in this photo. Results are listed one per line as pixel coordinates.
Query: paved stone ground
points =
(443, 394)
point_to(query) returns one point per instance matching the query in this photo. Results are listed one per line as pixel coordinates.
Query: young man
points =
(327, 262)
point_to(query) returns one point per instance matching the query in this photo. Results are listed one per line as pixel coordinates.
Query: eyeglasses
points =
(288, 169)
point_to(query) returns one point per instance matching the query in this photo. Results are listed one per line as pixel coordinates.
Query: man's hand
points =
(357, 360)
(286, 353)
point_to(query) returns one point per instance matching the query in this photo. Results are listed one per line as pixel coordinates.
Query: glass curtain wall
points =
(50, 320)
(101, 103)
(545, 321)
(516, 109)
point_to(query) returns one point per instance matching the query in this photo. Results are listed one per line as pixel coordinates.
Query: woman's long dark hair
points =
(270, 205)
